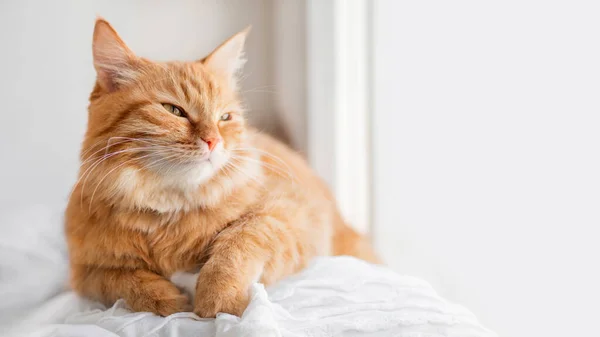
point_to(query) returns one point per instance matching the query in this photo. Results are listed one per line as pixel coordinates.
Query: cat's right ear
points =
(115, 63)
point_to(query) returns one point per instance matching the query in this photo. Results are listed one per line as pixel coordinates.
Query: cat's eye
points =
(175, 110)
(226, 117)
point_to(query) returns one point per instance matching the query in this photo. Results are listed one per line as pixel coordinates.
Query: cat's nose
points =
(211, 142)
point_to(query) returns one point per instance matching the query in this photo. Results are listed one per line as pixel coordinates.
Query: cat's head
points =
(180, 122)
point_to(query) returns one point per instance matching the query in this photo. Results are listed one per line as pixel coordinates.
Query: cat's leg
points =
(251, 249)
(142, 290)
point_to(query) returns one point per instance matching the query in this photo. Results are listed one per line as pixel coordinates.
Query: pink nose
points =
(212, 142)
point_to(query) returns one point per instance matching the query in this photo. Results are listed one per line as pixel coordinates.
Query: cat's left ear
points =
(115, 63)
(228, 58)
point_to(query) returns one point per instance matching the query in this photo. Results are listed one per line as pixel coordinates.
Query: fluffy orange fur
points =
(172, 179)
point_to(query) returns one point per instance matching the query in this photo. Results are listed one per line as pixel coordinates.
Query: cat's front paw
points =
(160, 297)
(209, 306)
(214, 295)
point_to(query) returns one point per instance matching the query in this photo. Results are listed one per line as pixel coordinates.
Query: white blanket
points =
(334, 296)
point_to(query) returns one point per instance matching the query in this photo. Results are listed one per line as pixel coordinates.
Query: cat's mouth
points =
(188, 164)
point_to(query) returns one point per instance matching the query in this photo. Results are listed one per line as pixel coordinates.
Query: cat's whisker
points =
(243, 77)
(173, 164)
(242, 159)
(226, 171)
(109, 144)
(168, 158)
(264, 86)
(111, 171)
(244, 172)
(148, 166)
(108, 155)
(90, 158)
(262, 89)
(143, 140)
(272, 168)
(106, 147)
(91, 147)
(93, 165)
(267, 153)
(87, 173)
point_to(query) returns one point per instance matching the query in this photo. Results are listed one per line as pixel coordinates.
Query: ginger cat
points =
(172, 179)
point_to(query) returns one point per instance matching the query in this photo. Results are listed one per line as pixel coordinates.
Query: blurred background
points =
(463, 136)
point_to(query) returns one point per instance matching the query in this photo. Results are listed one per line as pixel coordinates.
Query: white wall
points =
(47, 74)
(289, 89)
(487, 156)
